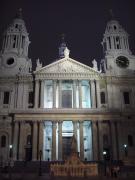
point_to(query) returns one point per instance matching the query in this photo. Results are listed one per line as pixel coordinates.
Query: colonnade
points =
(37, 128)
(40, 94)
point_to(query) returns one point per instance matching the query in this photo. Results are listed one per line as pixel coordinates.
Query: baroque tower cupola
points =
(115, 38)
(15, 44)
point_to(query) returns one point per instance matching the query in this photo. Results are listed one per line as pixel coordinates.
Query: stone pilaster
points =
(21, 141)
(93, 95)
(15, 140)
(95, 141)
(42, 94)
(40, 141)
(81, 142)
(98, 93)
(54, 93)
(60, 140)
(80, 94)
(53, 141)
(100, 134)
(75, 132)
(36, 98)
(74, 94)
(60, 94)
(34, 142)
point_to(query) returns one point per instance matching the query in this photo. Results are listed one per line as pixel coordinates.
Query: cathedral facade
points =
(41, 110)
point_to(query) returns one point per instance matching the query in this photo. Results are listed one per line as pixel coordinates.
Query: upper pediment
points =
(66, 65)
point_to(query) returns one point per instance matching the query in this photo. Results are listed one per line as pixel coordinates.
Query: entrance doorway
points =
(67, 133)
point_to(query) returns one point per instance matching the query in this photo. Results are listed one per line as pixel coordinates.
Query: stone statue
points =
(74, 145)
(39, 65)
(94, 62)
(66, 52)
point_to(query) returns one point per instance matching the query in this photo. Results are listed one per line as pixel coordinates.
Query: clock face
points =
(122, 61)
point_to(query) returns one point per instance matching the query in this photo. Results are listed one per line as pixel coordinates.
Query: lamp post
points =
(126, 150)
(40, 163)
(104, 155)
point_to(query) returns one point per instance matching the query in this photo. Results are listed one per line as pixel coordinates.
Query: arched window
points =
(3, 141)
(102, 97)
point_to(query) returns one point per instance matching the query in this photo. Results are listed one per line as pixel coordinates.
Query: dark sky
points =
(83, 22)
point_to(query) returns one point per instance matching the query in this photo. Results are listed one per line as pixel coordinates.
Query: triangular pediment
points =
(66, 66)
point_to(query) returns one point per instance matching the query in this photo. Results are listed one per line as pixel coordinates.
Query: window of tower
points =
(16, 26)
(114, 27)
(10, 61)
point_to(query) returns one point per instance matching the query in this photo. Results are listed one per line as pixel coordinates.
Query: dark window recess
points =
(130, 140)
(126, 97)
(29, 141)
(3, 141)
(6, 98)
(31, 99)
(102, 96)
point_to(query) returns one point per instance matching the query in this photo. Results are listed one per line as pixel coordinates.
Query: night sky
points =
(82, 21)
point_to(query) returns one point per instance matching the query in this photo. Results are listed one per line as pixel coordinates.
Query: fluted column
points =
(60, 94)
(21, 141)
(54, 93)
(81, 142)
(93, 95)
(80, 94)
(34, 142)
(60, 140)
(40, 141)
(15, 141)
(74, 94)
(36, 100)
(42, 94)
(95, 140)
(53, 141)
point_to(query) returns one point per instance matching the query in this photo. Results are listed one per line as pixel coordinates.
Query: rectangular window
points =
(130, 140)
(67, 98)
(6, 98)
(102, 97)
(126, 97)
(30, 99)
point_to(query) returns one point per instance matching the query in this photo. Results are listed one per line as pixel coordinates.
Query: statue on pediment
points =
(95, 67)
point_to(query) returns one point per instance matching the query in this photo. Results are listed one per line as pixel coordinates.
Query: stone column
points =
(114, 143)
(60, 140)
(75, 132)
(36, 98)
(42, 94)
(100, 140)
(53, 141)
(15, 140)
(94, 141)
(21, 141)
(34, 142)
(81, 142)
(80, 94)
(98, 93)
(40, 141)
(60, 94)
(54, 93)
(93, 95)
(74, 94)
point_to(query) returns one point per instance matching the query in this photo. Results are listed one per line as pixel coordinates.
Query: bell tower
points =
(115, 39)
(14, 51)
(118, 58)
